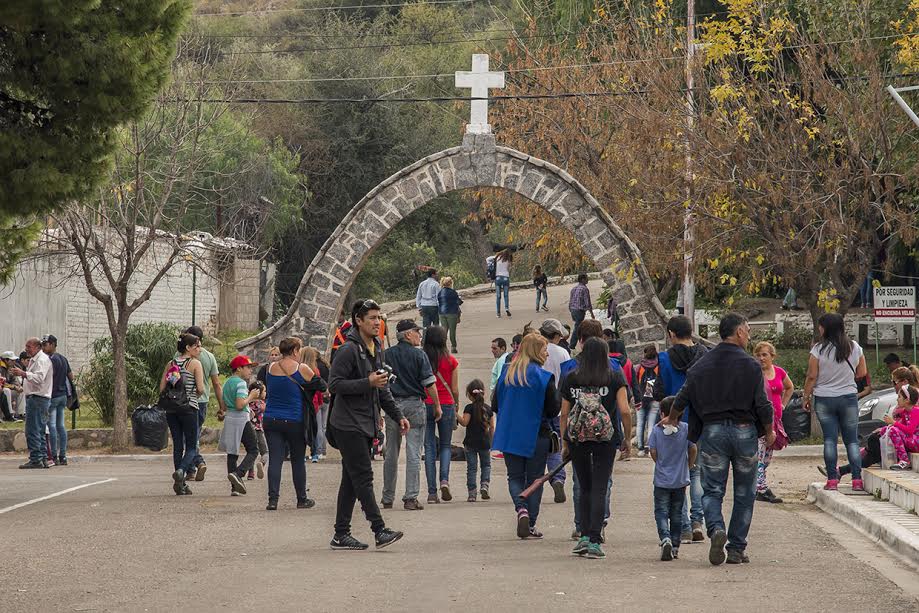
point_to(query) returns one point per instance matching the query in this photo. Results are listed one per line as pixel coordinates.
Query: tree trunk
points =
(481, 245)
(120, 438)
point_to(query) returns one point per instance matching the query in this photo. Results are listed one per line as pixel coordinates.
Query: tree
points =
(70, 72)
(180, 160)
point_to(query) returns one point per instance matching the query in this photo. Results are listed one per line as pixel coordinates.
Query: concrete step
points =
(881, 521)
(914, 460)
(900, 487)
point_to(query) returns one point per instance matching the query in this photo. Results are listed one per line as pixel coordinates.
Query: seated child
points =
(673, 454)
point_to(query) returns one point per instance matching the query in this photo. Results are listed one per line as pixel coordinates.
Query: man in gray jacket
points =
(360, 388)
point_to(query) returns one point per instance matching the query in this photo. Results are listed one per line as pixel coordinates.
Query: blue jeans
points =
(866, 291)
(837, 415)
(414, 411)
(722, 445)
(542, 294)
(502, 284)
(57, 428)
(576, 499)
(202, 415)
(430, 316)
(37, 408)
(648, 415)
(438, 435)
(577, 316)
(184, 430)
(668, 511)
(473, 458)
(322, 418)
(522, 472)
(555, 459)
(693, 510)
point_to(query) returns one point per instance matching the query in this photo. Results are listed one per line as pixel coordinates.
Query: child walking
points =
(673, 454)
(478, 420)
(237, 425)
(257, 411)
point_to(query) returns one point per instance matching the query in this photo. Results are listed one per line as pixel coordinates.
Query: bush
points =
(794, 337)
(149, 347)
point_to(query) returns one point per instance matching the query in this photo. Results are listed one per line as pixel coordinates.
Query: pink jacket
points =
(909, 425)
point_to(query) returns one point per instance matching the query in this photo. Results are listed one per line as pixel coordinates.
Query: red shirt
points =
(445, 368)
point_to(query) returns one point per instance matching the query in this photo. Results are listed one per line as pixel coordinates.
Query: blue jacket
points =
(448, 301)
(520, 412)
(672, 374)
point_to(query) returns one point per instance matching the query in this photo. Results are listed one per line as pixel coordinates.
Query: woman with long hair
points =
(312, 358)
(182, 417)
(525, 400)
(284, 423)
(438, 434)
(503, 261)
(779, 389)
(449, 301)
(834, 364)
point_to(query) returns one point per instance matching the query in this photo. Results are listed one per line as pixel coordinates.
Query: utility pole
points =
(689, 284)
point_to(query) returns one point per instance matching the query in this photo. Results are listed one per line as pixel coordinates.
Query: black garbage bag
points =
(796, 420)
(150, 428)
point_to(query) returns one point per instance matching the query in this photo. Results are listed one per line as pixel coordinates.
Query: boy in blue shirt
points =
(673, 454)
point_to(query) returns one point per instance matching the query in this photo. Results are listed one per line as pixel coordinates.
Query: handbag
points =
(447, 387)
(781, 437)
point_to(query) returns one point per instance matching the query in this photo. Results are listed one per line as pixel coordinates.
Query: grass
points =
(794, 361)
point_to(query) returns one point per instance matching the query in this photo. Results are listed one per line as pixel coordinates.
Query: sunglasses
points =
(363, 306)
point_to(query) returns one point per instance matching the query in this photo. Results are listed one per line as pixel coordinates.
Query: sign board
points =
(895, 305)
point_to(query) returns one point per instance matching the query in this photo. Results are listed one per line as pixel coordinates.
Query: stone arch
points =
(478, 162)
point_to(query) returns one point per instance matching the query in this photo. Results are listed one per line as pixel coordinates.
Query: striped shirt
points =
(188, 379)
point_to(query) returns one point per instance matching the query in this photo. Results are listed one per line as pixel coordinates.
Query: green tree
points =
(71, 71)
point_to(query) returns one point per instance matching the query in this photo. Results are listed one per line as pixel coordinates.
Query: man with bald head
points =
(36, 387)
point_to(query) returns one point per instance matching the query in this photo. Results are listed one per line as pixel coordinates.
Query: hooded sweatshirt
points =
(673, 366)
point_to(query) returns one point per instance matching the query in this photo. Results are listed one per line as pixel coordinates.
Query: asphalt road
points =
(129, 544)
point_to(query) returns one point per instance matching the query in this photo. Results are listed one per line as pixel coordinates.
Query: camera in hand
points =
(386, 369)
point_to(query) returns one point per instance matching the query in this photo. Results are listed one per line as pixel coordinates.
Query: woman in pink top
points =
(779, 389)
(903, 427)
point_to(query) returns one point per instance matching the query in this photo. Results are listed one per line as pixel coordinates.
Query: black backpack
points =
(174, 397)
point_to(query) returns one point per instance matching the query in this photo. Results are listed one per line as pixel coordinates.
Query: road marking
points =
(54, 495)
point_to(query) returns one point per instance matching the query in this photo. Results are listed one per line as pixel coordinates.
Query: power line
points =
(357, 35)
(407, 100)
(328, 8)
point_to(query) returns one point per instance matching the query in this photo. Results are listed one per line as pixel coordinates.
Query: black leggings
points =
(283, 434)
(593, 463)
(250, 442)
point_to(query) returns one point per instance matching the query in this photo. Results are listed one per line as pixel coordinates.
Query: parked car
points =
(872, 409)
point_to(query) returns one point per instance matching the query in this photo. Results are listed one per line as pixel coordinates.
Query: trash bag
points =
(796, 420)
(150, 428)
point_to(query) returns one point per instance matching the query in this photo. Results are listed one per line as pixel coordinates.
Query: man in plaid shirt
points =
(579, 304)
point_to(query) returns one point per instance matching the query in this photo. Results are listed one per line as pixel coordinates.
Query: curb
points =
(880, 521)
(88, 459)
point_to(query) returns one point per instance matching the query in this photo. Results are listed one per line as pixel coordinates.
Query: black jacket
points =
(725, 383)
(357, 404)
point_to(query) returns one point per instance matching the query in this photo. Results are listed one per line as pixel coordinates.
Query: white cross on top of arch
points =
(479, 80)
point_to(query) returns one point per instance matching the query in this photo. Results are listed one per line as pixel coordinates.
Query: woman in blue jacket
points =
(449, 301)
(524, 401)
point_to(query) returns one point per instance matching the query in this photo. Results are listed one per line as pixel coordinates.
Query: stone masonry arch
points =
(478, 162)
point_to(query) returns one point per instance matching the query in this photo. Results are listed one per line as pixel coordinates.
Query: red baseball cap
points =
(240, 361)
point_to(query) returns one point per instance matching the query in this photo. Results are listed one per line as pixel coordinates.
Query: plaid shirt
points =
(580, 298)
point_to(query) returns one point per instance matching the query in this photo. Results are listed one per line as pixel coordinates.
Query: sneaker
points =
(386, 537)
(29, 465)
(581, 548)
(50, 463)
(199, 474)
(901, 465)
(666, 550)
(508, 313)
(346, 541)
(831, 485)
(471, 497)
(432, 499)
(385, 505)
(250, 476)
(186, 491)
(484, 492)
(412, 505)
(768, 496)
(676, 553)
(499, 315)
(686, 537)
(594, 552)
(272, 504)
(737, 557)
(62, 461)
(559, 488)
(575, 534)
(858, 485)
(178, 481)
(233, 492)
(498, 456)
(190, 475)
(306, 503)
(236, 483)
(260, 470)
(534, 533)
(716, 553)
(315, 459)
(445, 494)
(698, 535)
(523, 524)
(642, 453)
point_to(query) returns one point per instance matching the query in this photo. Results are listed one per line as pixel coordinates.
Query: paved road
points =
(131, 545)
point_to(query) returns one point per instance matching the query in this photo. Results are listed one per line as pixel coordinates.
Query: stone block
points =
(623, 293)
(327, 299)
(634, 322)
(652, 334)
(443, 171)
(409, 189)
(19, 441)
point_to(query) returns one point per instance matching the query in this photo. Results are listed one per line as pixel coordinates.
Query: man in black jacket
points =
(730, 411)
(361, 388)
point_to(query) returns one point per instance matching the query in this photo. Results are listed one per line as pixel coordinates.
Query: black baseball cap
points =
(407, 324)
(49, 338)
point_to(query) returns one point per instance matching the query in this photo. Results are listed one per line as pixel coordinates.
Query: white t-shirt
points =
(502, 268)
(836, 378)
(557, 355)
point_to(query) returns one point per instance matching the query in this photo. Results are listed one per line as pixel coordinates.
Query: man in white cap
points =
(553, 331)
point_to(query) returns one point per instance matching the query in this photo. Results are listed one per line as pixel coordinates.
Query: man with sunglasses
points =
(360, 385)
